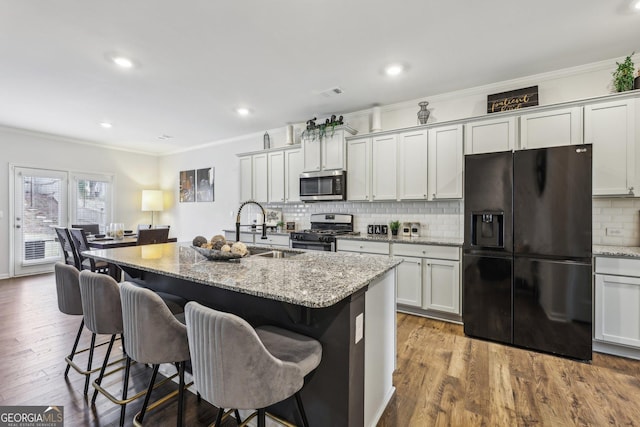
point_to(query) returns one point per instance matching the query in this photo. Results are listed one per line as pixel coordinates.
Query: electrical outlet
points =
(614, 231)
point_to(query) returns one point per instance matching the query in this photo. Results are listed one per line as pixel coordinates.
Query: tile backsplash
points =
(616, 221)
(437, 219)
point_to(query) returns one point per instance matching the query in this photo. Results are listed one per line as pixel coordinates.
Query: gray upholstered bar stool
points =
(70, 302)
(236, 366)
(103, 315)
(154, 335)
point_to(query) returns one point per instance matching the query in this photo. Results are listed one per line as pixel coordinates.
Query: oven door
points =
(314, 246)
(325, 185)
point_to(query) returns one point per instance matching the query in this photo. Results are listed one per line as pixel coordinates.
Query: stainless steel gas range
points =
(322, 234)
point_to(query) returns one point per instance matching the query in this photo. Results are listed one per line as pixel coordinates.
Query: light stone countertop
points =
(616, 251)
(312, 279)
(400, 239)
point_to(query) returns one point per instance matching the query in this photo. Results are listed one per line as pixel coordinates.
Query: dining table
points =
(111, 243)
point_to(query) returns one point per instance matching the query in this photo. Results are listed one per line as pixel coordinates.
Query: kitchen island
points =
(345, 301)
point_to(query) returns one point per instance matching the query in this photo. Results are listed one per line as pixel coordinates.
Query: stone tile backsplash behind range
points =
(437, 219)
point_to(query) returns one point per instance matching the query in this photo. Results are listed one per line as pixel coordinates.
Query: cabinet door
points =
(551, 128)
(409, 279)
(445, 162)
(275, 182)
(617, 317)
(442, 286)
(333, 150)
(311, 154)
(490, 136)
(246, 178)
(412, 165)
(260, 193)
(610, 127)
(384, 157)
(359, 169)
(292, 171)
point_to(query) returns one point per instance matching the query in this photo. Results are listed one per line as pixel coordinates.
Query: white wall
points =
(439, 219)
(133, 172)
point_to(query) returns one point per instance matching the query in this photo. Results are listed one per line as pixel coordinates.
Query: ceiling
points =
(198, 60)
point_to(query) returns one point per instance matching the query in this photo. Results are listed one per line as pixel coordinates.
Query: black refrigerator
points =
(527, 249)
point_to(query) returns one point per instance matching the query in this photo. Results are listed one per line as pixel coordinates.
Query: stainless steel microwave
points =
(324, 185)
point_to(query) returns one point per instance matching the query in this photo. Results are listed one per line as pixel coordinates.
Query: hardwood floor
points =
(443, 378)
(446, 379)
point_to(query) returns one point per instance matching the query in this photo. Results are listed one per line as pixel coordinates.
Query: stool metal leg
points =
(238, 419)
(261, 417)
(88, 377)
(75, 346)
(219, 417)
(181, 394)
(305, 422)
(127, 369)
(104, 368)
(148, 395)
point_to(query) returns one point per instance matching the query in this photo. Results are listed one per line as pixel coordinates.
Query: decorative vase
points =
(636, 82)
(267, 141)
(423, 114)
(394, 232)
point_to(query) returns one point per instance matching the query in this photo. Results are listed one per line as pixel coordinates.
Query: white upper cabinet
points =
(326, 152)
(384, 166)
(551, 128)
(246, 178)
(611, 128)
(260, 193)
(275, 179)
(359, 169)
(490, 136)
(413, 157)
(292, 171)
(445, 162)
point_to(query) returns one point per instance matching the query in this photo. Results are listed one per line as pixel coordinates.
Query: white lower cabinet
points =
(429, 277)
(409, 280)
(362, 246)
(617, 301)
(273, 240)
(442, 286)
(230, 236)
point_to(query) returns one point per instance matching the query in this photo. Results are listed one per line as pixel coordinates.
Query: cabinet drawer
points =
(618, 266)
(427, 251)
(362, 246)
(272, 239)
(244, 237)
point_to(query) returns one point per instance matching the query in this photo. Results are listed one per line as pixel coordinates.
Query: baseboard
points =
(446, 317)
(383, 408)
(616, 350)
(4, 276)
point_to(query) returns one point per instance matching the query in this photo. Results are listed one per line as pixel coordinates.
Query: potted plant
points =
(394, 226)
(280, 225)
(623, 75)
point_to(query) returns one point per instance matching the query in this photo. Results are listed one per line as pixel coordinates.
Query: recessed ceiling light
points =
(106, 125)
(636, 6)
(243, 111)
(393, 69)
(123, 62)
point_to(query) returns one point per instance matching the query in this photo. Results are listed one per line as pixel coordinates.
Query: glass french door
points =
(40, 203)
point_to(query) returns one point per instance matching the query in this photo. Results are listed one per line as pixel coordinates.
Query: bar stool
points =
(103, 315)
(236, 366)
(70, 302)
(154, 335)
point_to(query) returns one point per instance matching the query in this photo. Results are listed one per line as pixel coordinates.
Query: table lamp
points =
(152, 200)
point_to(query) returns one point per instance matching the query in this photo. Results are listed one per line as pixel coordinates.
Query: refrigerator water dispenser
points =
(487, 229)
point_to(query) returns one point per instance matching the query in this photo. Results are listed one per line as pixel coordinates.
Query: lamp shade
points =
(152, 200)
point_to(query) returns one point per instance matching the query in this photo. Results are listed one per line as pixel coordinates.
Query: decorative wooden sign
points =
(512, 100)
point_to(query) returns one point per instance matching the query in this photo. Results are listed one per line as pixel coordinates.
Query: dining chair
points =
(88, 228)
(81, 244)
(68, 249)
(152, 236)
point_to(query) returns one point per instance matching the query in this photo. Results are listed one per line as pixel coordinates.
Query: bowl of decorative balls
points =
(219, 249)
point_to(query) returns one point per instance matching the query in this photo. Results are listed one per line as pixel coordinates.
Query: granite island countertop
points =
(616, 251)
(443, 241)
(312, 279)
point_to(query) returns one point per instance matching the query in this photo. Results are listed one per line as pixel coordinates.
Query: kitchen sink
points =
(272, 253)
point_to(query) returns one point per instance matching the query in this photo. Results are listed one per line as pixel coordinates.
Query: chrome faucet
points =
(264, 220)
